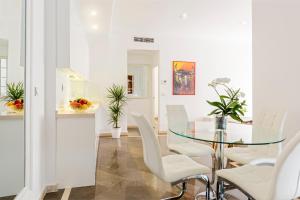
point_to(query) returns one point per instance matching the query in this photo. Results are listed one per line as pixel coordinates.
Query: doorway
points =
(143, 87)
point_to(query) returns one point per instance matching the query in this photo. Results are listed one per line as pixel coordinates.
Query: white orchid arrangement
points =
(231, 101)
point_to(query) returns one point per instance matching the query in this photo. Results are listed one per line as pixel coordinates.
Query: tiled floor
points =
(7, 198)
(122, 175)
(55, 195)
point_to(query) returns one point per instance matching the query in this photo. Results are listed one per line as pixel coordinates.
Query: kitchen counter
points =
(12, 138)
(76, 149)
(9, 116)
(72, 114)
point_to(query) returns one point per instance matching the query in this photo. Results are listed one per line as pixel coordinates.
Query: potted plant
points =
(230, 103)
(116, 100)
(14, 96)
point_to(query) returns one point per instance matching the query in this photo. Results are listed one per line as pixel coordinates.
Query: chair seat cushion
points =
(255, 180)
(192, 149)
(245, 155)
(177, 167)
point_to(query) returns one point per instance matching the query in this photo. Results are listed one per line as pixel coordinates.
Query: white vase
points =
(116, 132)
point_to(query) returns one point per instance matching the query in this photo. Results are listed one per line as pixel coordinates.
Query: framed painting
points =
(184, 78)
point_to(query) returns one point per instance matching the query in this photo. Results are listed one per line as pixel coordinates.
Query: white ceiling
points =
(205, 17)
(102, 19)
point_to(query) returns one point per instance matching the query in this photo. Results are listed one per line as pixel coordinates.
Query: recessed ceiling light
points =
(184, 16)
(93, 13)
(95, 27)
(244, 22)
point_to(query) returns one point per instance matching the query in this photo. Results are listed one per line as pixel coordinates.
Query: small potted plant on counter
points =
(116, 100)
(14, 97)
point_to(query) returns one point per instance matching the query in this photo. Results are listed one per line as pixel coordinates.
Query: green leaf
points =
(213, 112)
(216, 104)
(117, 99)
(224, 97)
(236, 93)
(236, 117)
(14, 92)
(222, 100)
(232, 104)
(241, 112)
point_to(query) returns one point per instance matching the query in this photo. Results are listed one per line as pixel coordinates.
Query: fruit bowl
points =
(80, 104)
(16, 106)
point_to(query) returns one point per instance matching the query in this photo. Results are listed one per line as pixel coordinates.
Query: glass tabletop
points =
(236, 133)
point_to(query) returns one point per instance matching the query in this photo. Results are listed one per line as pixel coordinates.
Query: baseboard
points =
(48, 189)
(26, 194)
(52, 188)
(132, 126)
(43, 194)
(126, 134)
(162, 133)
(109, 134)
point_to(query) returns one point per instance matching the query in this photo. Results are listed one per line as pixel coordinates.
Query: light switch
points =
(36, 91)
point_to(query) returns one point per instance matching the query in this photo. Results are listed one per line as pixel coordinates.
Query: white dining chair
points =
(178, 121)
(174, 169)
(269, 126)
(265, 182)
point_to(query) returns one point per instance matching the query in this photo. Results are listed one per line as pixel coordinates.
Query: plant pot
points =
(221, 123)
(116, 132)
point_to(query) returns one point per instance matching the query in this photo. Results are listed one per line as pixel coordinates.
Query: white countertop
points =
(74, 114)
(9, 116)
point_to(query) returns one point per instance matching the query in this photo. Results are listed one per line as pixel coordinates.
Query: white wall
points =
(214, 57)
(276, 63)
(218, 38)
(3, 48)
(108, 67)
(10, 15)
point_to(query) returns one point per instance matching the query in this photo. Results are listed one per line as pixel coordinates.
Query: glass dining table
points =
(236, 134)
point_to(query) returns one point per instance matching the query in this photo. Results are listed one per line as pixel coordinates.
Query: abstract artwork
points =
(184, 78)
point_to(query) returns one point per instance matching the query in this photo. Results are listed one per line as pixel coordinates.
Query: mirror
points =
(12, 69)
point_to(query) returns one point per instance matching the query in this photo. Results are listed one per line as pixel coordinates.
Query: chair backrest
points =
(286, 181)
(178, 121)
(151, 148)
(269, 126)
(177, 117)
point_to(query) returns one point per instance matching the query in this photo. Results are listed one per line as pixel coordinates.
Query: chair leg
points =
(183, 189)
(213, 170)
(218, 190)
(208, 190)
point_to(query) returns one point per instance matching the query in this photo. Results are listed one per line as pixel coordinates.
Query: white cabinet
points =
(12, 151)
(72, 43)
(76, 150)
